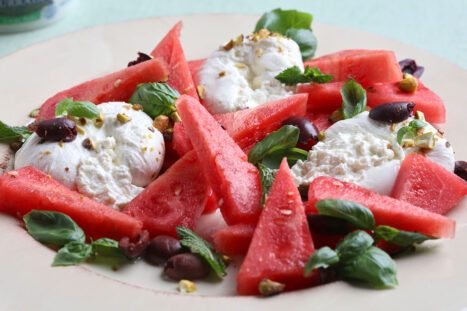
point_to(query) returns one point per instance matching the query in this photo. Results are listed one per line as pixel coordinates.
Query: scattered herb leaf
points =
(356, 214)
(156, 98)
(354, 244)
(53, 228)
(400, 237)
(273, 160)
(72, 253)
(321, 258)
(294, 75)
(11, 134)
(353, 99)
(409, 130)
(107, 247)
(80, 109)
(266, 177)
(191, 240)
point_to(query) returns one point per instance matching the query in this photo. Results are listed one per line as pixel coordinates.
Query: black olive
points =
(186, 266)
(327, 225)
(161, 248)
(392, 112)
(307, 128)
(409, 65)
(58, 129)
(461, 169)
(133, 250)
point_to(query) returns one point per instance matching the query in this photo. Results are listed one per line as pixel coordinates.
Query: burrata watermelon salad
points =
(315, 169)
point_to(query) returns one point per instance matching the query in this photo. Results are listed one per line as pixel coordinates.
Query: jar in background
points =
(23, 15)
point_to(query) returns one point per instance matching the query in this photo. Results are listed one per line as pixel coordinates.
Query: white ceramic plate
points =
(433, 278)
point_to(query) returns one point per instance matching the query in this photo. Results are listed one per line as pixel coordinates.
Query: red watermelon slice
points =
(387, 210)
(181, 142)
(176, 198)
(281, 243)
(233, 179)
(171, 51)
(28, 188)
(233, 240)
(117, 86)
(194, 66)
(364, 66)
(423, 183)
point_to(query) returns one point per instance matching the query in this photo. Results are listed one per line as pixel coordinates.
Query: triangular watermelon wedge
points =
(233, 179)
(117, 86)
(176, 198)
(171, 51)
(27, 188)
(387, 211)
(281, 243)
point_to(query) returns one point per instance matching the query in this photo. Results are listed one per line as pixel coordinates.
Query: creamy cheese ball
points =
(241, 73)
(365, 152)
(127, 155)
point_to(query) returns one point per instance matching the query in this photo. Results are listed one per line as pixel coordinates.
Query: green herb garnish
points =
(11, 134)
(266, 177)
(400, 237)
(191, 240)
(356, 214)
(409, 130)
(155, 98)
(80, 109)
(353, 99)
(72, 253)
(273, 159)
(321, 258)
(293, 24)
(294, 75)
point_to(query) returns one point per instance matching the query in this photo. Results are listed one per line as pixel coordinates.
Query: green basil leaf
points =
(373, 267)
(53, 228)
(306, 41)
(401, 133)
(283, 138)
(62, 107)
(321, 258)
(280, 21)
(400, 237)
(11, 134)
(409, 130)
(191, 240)
(353, 99)
(273, 160)
(266, 176)
(83, 109)
(353, 245)
(417, 124)
(107, 248)
(294, 75)
(72, 253)
(155, 98)
(357, 215)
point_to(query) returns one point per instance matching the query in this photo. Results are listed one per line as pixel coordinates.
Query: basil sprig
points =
(191, 240)
(11, 134)
(54, 228)
(156, 98)
(294, 76)
(353, 99)
(355, 257)
(292, 24)
(409, 130)
(266, 177)
(80, 109)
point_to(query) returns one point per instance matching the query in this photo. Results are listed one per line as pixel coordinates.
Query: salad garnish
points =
(294, 76)
(155, 98)
(79, 109)
(353, 99)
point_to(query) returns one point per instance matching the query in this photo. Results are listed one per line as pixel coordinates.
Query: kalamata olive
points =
(392, 112)
(186, 266)
(133, 250)
(327, 225)
(461, 169)
(57, 129)
(307, 128)
(161, 248)
(142, 57)
(409, 65)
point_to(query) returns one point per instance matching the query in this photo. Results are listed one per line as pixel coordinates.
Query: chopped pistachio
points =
(98, 122)
(34, 113)
(137, 107)
(226, 259)
(175, 117)
(161, 123)
(425, 141)
(221, 74)
(239, 40)
(240, 66)
(80, 130)
(201, 89)
(268, 288)
(419, 115)
(321, 135)
(123, 118)
(186, 286)
(408, 84)
(336, 116)
(165, 79)
(228, 46)
(259, 52)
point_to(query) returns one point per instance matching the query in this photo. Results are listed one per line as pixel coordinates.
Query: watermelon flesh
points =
(117, 86)
(194, 66)
(364, 66)
(423, 183)
(171, 51)
(233, 240)
(181, 142)
(325, 98)
(176, 198)
(28, 188)
(386, 210)
(281, 242)
(233, 179)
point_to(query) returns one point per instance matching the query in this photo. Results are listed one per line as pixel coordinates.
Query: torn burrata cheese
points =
(241, 74)
(366, 152)
(110, 160)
